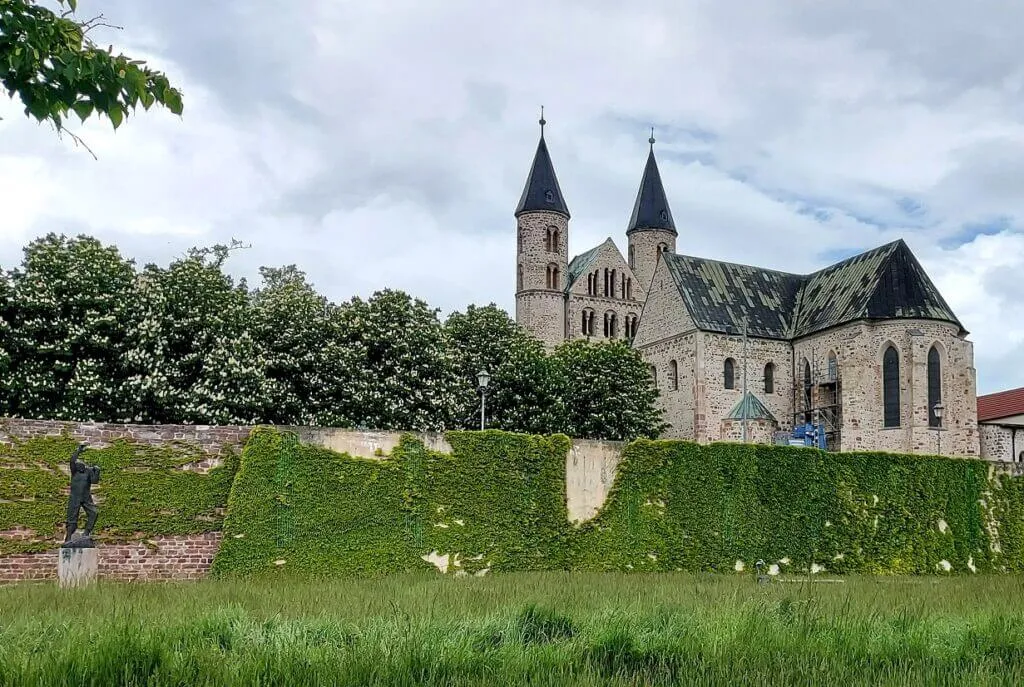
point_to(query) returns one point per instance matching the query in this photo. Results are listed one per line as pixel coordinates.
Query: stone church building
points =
(864, 349)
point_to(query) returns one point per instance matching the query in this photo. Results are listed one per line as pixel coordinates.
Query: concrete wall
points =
(999, 443)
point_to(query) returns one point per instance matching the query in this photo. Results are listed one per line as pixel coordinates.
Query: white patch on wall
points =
(279, 561)
(944, 565)
(481, 572)
(442, 525)
(943, 526)
(438, 561)
(773, 569)
(970, 565)
(815, 568)
(460, 523)
(839, 556)
(874, 499)
(785, 561)
(739, 566)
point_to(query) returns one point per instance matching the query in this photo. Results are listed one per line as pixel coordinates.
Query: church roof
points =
(542, 191)
(884, 283)
(755, 410)
(651, 211)
(580, 264)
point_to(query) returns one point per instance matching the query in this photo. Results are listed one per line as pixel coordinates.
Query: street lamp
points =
(937, 409)
(483, 378)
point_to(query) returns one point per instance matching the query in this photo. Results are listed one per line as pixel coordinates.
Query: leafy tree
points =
(311, 372)
(521, 394)
(70, 313)
(5, 338)
(606, 391)
(406, 368)
(193, 358)
(51, 64)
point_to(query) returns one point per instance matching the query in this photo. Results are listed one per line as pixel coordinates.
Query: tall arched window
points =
(934, 385)
(891, 387)
(654, 375)
(673, 375)
(605, 292)
(769, 378)
(611, 283)
(519, 278)
(610, 325)
(629, 288)
(729, 372)
(632, 254)
(631, 324)
(807, 390)
(833, 367)
(588, 322)
(551, 240)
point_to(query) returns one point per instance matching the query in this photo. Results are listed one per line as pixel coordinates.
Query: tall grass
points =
(538, 629)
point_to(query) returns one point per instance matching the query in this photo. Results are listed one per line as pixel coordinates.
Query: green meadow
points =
(519, 629)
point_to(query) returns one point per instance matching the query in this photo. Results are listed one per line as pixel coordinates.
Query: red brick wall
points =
(167, 558)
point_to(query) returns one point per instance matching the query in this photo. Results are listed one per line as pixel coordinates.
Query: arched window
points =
(519, 278)
(588, 322)
(833, 367)
(631, 324)
(554, 281)
(769, 378)
(807, 390)
(632, 261)
(612, 283)
(654, 375)
(673, 375)
(891, 387)
(605, 292)
(730, 373)
(662, 248)
(629, 288)
(551, 240)
(934, 386)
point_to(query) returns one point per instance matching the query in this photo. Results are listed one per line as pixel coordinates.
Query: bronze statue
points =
(82, 478)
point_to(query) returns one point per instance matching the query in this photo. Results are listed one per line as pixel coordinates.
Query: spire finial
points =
(542, 121)
(651, 139)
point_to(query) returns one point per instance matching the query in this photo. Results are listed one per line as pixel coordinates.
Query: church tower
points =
(651, 229)
(542, 228)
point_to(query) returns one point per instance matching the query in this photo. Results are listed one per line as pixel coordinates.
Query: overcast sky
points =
(385, 144)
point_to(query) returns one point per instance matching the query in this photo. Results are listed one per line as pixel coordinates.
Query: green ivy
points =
(497, 501)
(143, 492)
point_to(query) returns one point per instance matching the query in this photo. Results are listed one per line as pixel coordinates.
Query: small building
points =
(1001, 425)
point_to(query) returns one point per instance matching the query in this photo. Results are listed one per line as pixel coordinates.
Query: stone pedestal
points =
(77, 566)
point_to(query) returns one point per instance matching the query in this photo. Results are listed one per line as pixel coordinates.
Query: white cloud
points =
(386, 144)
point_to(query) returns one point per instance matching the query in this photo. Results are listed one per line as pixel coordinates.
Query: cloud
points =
(386, 144)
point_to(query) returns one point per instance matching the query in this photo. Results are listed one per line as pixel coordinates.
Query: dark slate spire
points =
(542, 191)
(651, 211)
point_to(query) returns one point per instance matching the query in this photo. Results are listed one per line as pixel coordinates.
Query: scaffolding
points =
(820, 400)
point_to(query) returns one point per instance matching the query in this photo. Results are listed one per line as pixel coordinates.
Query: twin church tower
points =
(598, 294)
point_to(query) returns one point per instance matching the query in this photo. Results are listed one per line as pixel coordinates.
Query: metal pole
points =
(744, 399)
(483, 401)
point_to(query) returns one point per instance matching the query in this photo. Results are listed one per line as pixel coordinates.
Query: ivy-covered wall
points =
(143, 492)
(498, 503)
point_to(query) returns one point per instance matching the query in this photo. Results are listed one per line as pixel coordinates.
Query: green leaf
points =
(116, 115)
(83, 108)
(73, 4)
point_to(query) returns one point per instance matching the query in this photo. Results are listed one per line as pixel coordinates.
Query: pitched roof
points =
(755, 410)
(542, 191)
(883, 283)
(1001, 404)
(651, 211)
(580, 263)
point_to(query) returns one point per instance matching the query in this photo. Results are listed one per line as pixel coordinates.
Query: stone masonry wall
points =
(644, 246)
(859, 349)
(998, 443)
(540, 310)
(162, 558)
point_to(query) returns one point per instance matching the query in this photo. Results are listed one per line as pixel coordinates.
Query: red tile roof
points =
(1001, 404)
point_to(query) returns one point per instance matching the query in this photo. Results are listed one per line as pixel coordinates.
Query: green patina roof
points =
(755, 410)
(883, 283)
(580, 264)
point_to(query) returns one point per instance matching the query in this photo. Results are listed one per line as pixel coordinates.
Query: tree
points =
(51, 64)
(521, 395)
(5, 340)
(408, 376)
(312, 373)
(71, 307)
(606, 391)
(193, 358)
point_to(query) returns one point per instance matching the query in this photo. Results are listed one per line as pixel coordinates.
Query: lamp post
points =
(938, 409)
(483, 378)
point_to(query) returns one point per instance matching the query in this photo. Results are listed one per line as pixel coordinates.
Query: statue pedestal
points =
(77, 566)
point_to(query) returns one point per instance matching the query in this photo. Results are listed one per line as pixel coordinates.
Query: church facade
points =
(865, 350)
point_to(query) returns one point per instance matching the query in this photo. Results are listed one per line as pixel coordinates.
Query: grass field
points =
(537, 629)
